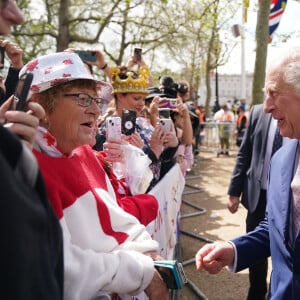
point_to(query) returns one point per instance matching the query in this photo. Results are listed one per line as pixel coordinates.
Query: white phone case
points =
(166, 124)
(113, 127)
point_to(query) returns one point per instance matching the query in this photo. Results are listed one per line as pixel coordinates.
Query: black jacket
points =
(31, 250)
(248, 171)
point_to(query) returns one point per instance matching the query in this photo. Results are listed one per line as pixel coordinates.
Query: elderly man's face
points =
(282, 102)
(10, 15)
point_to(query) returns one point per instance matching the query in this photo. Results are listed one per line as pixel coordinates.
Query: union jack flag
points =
(276, 10)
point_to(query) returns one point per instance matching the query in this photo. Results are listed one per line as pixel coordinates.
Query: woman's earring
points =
(46, 123)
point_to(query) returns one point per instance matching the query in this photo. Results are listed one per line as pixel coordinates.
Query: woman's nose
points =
(95, 108)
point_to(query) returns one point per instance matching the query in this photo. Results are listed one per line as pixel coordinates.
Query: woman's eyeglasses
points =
(86, 100)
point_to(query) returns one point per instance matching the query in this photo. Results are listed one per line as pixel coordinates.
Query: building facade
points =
(230, 88)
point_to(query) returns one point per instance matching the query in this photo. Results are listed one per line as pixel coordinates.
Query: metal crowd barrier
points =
(210, 135)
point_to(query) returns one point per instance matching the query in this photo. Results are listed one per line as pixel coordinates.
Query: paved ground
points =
(215, 222)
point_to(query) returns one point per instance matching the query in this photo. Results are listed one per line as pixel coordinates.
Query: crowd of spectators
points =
(95, 194)
(91, 198)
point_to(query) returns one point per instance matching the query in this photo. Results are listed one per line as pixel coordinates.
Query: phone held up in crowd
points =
(113, 127)
(128, 121)
(168, 103)
(164, 119)
(138, 54)
(22, 90)
(2, 55)
(87, 55)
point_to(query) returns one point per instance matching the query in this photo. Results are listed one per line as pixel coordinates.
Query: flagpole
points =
(243, 72)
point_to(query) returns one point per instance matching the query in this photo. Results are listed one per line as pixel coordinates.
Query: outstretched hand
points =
(214, 257)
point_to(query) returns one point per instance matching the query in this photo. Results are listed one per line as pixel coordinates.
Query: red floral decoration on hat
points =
(66, 75)
(57, 82)
(32, 65)
(35, 88)
(68, 61)
(48, 70)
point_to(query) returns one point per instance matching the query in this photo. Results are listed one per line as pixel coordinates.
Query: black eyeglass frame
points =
(86, 102)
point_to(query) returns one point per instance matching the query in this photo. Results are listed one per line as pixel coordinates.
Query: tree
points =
(179, 30)
(262, 40)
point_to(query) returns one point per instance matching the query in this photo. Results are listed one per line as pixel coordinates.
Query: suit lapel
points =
(266, 121)
(286, 158)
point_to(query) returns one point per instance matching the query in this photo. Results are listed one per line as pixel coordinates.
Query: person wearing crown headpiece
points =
(130, 89)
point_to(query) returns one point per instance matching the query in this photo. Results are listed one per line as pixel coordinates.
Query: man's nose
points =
(268, 104)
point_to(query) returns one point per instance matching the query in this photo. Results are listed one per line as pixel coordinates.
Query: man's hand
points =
(233, 204)
(214, 257)
(24, 124)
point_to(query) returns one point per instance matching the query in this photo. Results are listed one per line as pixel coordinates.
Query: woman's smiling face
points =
(134, 101)
(73, 125)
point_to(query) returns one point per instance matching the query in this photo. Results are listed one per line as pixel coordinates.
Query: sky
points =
(290, 23)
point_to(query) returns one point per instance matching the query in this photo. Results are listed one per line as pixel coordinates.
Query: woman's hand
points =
(113, 150)
(135, 140)
(170, 139)
(157, 141)
(157, 288)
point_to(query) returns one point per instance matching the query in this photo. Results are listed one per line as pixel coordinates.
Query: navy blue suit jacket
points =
(248, 171)
(273, 235)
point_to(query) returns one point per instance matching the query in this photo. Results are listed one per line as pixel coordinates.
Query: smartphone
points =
(113, 127)
(172, 273)
(138, 53)
(166, 124)
(128, 121)
(87, 55)
(22, 90)
(168, 103)
(2, 55)
(164, 113)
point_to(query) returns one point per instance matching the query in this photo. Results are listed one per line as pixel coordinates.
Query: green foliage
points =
(171, 32)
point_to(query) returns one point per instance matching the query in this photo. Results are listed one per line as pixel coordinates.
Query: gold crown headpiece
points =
(127, 81)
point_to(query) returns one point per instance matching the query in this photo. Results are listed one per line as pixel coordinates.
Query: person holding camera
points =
(31, 248)
(181, 89)
(15, 55)
(130, 89)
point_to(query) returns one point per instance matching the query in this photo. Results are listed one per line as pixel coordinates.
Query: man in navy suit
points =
(249, 181)
(275, 235)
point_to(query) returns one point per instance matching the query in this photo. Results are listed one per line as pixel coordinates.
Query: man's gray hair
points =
(288, 63)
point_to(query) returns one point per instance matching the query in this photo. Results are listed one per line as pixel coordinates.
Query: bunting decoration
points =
(276, 11)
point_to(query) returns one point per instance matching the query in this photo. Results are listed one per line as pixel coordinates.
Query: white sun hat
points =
(55, 69)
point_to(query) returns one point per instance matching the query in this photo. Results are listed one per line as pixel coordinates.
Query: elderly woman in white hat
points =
(103, 245)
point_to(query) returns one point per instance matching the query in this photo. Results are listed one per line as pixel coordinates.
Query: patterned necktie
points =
(295, 185)
(277, 143)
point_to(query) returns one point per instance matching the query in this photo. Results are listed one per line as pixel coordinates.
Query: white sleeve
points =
(232, 267)
(89, 274)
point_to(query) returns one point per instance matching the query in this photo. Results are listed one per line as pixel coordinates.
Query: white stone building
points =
(229, 88)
